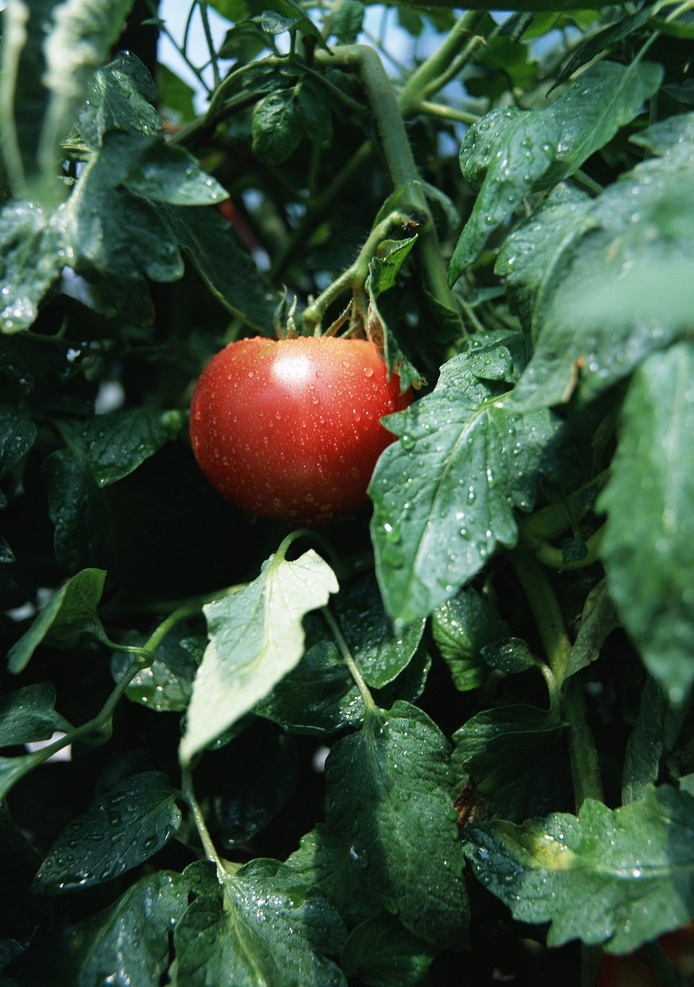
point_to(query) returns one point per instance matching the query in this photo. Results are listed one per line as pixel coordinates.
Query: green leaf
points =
(653, 737)
(122, 829)
(256, 775)
(51, 51)
(114, 235)
(530, 258)
(617, 878)
(602, 40)
(164, 173)
(321, 861)
(388, 797)
(131, 938)
(475, 460)
(32, 256)
(75, 507)
(226, 269)
(256, 637)
(119, 97)
(620, 289)
(515, 757)
(118, 442)
(598, 619)
(277, 127)
(510, 151)
(266, 927)
(380, 952)
(165, 685)
(315, 111)
(17, 435)
(28, 714)
(646, 544)
(346, 23)
(70, 613)
(320, 695)
(462, 627)
(380, 653)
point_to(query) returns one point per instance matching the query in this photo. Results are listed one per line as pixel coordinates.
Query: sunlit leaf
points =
(256, 637)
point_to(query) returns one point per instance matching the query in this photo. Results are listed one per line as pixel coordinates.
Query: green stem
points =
(585, 769)
(200, 824)
(545, 610)
(349, 661)
(202, 4)
(444, 64)
(399, 158)
(553, 557)
(355, 275)
(551, 521)
(583, 755)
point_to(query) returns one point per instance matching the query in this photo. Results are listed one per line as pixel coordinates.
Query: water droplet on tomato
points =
(368, 371)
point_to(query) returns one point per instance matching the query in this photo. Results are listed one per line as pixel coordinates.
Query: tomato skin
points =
(291, 428)
(624, 971)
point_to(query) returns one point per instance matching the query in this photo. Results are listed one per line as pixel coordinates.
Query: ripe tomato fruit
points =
(291, 428)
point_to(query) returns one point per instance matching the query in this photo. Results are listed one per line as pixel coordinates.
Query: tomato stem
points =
(354, 277)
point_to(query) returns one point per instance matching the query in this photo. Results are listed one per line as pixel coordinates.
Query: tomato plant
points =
(292, 428)
(446, 734)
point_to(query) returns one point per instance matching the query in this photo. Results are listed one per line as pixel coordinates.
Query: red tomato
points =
(291, 428)
(624, 971)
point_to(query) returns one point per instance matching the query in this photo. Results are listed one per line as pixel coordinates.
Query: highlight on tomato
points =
(291, 428)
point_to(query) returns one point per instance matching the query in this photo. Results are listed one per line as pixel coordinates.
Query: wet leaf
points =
(511, 151)
(29, 714)
(122, 829)
(263, 926)
(70, 613)
(256, 637)
(116, 939)
(388, 797)
(647, 538)
(617, 878)
(475, 460)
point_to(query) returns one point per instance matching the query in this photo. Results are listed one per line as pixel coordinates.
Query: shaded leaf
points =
(124, 827)
(17, 434)
(277, 127)
(256, 637)
(380, 652)
(653, 737)
(618, 877)
(462, 627)
(646, 544)
(119, 97)
(388, 796)
(515, 758)
(118, 442)
(70, 613)
(166, 683)
(380, 952)
(227, 270)
(130, 940)
(29, 714)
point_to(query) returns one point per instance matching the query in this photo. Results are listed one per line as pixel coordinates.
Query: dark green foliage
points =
(447, 738)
